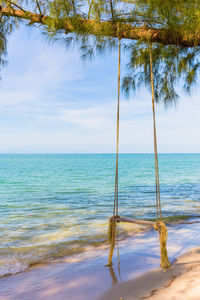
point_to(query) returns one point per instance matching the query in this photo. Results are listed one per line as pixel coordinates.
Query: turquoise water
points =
(56, 205)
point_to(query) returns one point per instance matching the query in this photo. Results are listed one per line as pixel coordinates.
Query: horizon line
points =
(78, 153)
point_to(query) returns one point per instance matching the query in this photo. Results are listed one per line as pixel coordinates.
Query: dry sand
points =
(180, 282)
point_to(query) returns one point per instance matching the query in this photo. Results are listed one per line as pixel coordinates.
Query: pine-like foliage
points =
(6, 27)
(94, 23)
(171, 64)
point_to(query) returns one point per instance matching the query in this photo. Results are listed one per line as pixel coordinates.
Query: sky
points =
(53, 102)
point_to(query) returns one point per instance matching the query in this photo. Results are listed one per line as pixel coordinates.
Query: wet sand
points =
(85, 277)
(181, 281)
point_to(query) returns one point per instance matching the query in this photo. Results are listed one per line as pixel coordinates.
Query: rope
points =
(111, 238)
(112, 227)
(162, 229)
(158, 225)
(116, 203)
(158, 203)
(118, 260)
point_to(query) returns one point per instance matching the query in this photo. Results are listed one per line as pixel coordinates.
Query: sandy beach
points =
(85, 277)
(182, 281)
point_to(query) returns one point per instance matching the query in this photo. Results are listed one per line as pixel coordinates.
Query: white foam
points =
(12, 265)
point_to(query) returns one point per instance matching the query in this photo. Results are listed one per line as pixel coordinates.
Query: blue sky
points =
(52, 102)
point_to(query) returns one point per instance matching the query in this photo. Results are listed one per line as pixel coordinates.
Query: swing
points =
(158, 224)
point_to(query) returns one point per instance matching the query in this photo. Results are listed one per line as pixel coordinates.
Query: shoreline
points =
(126, 231)
(85, 277)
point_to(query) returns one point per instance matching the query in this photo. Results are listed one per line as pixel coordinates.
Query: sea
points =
(54, 206)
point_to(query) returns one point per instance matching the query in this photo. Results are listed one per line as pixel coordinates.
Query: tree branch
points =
(108, 29)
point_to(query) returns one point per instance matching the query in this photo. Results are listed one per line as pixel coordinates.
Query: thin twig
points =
(38, 5)
(90, 7)
(112, 11)
(17, 6)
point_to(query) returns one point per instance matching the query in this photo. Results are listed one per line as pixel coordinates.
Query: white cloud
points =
(48, 104)
(30, 78)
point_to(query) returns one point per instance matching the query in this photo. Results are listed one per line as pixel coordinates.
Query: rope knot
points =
(111, 237)
(162, 229)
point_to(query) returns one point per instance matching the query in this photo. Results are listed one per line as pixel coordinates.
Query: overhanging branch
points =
(107, 29)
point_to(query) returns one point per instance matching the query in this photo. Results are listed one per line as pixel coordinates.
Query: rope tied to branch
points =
(158, 225)
(112, 227)
(116, 197)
